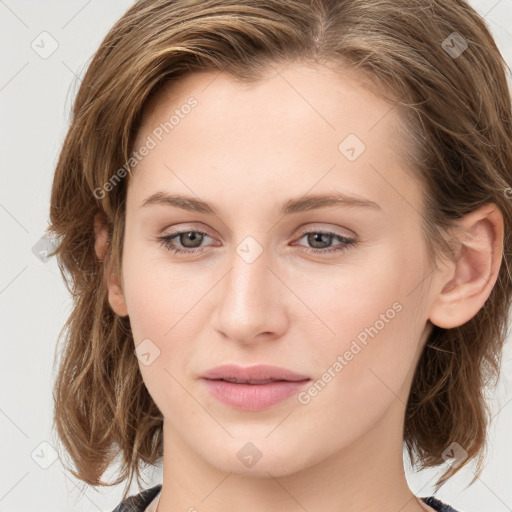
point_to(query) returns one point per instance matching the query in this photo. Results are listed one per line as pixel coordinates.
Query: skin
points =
(247, 149)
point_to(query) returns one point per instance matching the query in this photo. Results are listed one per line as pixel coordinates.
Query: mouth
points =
(258, 374)
(256, 382)
(253, 388)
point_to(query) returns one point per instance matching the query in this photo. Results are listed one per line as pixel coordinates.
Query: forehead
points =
(328, 94)
(300, 126)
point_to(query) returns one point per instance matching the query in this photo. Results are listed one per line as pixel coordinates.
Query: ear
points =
(101, 245)
(468, 281)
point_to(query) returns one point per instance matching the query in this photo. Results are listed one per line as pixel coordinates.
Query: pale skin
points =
(247, 149)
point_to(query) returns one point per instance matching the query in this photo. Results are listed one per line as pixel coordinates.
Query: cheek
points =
(160, 314)
(165, 316)
(361, 372)
(374, 318)
(353, 296)
(158, 293)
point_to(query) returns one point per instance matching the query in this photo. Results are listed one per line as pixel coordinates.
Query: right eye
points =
(191, 236)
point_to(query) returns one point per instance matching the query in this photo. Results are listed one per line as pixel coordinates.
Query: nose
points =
(251, 301)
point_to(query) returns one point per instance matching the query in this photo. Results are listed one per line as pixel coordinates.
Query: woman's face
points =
(334, 291)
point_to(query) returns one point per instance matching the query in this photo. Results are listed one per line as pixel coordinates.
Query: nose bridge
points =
(249, 302)
(249, 276)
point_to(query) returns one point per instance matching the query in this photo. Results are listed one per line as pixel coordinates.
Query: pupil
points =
(316, 238)
(191, 236)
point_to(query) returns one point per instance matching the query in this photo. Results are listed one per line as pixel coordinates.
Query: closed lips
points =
(238, 381)
(258, 374)
(252, 388)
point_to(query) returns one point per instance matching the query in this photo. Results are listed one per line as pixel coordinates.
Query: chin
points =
(259, 458)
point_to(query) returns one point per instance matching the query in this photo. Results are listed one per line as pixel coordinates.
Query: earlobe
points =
(115, 292)
(468, 283)
(116, 295)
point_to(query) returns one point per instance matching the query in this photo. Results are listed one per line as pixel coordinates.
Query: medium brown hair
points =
(457, 110)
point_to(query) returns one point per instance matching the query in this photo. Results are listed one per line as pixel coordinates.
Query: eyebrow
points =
(295, 205)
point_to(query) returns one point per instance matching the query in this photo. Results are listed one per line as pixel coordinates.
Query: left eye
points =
(322, 238)
(195, 238)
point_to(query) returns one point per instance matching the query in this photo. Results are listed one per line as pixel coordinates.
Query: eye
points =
(191, 240)
(321, 239)
(188, 236)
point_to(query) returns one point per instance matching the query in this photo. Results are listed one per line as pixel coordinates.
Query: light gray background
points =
(35, 99)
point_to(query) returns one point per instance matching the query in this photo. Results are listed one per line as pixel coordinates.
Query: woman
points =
(286, 227)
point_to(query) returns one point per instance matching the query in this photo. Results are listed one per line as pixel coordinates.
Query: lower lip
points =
(253, 397)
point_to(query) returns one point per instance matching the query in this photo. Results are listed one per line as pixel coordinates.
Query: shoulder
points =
(438, 504)
(138, 502)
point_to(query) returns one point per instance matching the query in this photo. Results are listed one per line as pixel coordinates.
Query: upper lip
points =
(256, 373)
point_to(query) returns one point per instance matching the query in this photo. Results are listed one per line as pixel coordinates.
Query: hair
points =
(458, 141)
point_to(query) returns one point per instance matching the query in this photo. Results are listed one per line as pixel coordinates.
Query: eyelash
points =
(166, 241)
